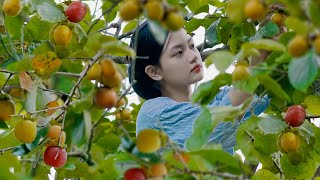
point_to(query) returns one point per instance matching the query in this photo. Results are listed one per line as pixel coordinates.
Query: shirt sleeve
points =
(225, 132)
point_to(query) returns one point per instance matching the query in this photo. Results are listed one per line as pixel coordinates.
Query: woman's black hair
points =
(148, 52)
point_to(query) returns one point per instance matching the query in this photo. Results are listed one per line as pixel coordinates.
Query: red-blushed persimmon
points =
(55, 156)
(76, 11)
(295, 115)
(135, 174)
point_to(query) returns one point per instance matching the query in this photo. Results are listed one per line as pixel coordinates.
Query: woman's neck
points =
(181, 94)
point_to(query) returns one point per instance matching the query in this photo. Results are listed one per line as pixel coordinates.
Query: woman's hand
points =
(237, 97)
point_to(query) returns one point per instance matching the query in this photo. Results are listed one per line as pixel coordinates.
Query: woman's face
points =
(180, 61)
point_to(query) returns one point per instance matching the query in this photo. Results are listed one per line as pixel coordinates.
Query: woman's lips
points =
(196, 68)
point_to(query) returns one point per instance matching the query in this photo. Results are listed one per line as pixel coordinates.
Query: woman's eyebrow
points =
(181, 45)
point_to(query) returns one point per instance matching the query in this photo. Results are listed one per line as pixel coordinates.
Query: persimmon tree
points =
(64, 94)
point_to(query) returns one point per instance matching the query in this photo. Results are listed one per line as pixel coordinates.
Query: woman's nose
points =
(192, 55)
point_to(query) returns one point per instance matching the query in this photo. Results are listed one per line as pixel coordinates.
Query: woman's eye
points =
(193, 46)
(178, 53)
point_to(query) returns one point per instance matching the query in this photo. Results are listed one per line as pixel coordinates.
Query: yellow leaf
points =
(313, 104)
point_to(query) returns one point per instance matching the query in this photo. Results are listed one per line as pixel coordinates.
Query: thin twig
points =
(67, 74)
(7, 149)
(7, 80)
(104, 13)
(46, 109)
(35, 163)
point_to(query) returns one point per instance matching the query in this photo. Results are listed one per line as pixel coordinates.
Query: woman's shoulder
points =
(156, 106)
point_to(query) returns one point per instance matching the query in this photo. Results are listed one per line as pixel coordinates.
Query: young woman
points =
(164, 73)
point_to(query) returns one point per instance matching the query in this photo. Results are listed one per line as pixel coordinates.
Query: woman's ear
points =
(153, 72)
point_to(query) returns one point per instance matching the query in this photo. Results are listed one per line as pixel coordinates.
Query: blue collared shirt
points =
(176, 118)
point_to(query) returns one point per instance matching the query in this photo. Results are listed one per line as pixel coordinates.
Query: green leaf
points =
(248, 85)
(202, 129)
(107, 5)
(225, 28)
(297, 25)
(31, 98)
(118, 48)
(286, 37)
(313, 104)
(261, 140)
(69, 166)
(227, 162)
(221, 59)
(75, 128)
(7, 138)
(303, 70)
(11, 161)
(211, 32)
(109, 142)
(268, 30)
(274, 87)
(228, 113)
(158, 32)
(266, 44)
(149, 157)
(193, 24)
(255, 152)
(14, 26)
(50, 12)
(235, 40)
(306, 131)
(41, 133)
(235, 9)
(263, 174)
(302, 170)
(36, 28)
(3, 125)
(44, 47)
(5, 173)
(271, 125)
(130, 26)
(314, 10)
(195, 5)
(207, 91)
